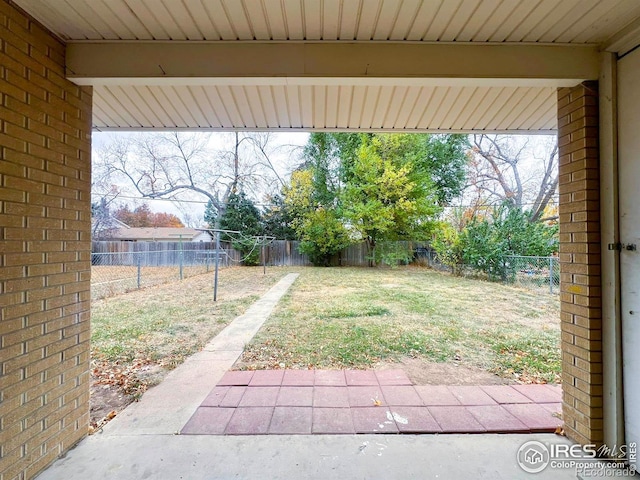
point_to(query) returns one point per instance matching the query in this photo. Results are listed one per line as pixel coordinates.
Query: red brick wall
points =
(45, 146)
(581, 316)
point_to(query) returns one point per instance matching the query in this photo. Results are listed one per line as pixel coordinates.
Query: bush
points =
(391, 253)
(322, 235)
(448, 246)
(486, 243)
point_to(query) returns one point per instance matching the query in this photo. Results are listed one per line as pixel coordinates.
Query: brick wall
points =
(45, 147)
(580, 306)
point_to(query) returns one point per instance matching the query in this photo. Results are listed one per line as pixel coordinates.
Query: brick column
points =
(45, 168)
(580, 295)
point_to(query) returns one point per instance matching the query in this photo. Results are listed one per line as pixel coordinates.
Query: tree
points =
(442, 159)
(241, 215)
(502, 171)
(381, 187)
(447, 244)
(103, 195)
(277, 219)
(322, 235)
(387, 198)
(319, 227)
(142, 217)
(170, 165)
(103, 224)
(162, 219)
(509, 231)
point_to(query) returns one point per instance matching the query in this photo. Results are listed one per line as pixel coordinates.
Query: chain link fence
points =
(113, 273)
(531, 272)
(138, 265)
(534, 272)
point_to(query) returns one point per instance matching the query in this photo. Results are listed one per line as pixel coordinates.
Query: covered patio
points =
(70, 67)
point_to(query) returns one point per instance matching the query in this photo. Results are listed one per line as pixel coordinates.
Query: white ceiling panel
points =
(334, 103)
(313, 107)
(541, 21)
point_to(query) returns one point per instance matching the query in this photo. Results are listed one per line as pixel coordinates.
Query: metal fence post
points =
(551, 275)
(139, 271)
(215, 279)
(180, 255)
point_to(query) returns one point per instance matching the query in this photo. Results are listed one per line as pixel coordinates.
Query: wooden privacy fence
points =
(277, 253)
(160, 254)
(285, 253)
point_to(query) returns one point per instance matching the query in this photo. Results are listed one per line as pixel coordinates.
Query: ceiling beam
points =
(158, 62)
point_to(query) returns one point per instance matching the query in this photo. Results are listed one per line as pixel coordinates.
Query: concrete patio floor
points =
(296, 457)
(144, 440)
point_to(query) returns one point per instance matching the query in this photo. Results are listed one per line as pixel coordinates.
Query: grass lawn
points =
(331, 318)
(137, 337)
(357, 317)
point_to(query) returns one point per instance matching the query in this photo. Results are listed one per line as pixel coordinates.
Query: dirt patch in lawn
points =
(424, 372)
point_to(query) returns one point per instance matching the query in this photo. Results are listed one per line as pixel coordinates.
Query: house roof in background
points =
(156, 234)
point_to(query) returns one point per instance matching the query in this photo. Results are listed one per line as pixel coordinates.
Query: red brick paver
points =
(236, 378)
(291, 421)
(540, 393)
(414, 420)
(366, 396)
(330, 378)
(332, 420)
(250, 421)
(303, 402)
(295, 397)
(373, 420)
(456, 420)
(437, 395)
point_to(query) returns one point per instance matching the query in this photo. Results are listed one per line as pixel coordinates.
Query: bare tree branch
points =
(166, 165)
(502, 169)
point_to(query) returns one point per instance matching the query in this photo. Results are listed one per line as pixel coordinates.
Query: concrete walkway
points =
(142, 442)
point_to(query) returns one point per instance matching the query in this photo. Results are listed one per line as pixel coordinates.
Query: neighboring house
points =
(159, 234)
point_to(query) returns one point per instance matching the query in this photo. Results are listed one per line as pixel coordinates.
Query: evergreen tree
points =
(241, 215)
(277, 219)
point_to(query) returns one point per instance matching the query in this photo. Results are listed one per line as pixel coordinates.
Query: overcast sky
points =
(196, 204)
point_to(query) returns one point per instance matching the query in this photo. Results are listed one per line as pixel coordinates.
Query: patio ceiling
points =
(334, 64)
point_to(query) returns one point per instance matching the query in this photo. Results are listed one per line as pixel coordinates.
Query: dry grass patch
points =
(110, 280)
(137, 337)
(356, 318)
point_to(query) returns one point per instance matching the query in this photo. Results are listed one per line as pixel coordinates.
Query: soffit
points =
(539, 21)
(346, 105)
(374, 106)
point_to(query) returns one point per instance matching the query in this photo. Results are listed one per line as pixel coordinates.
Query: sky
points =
(195, 205)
